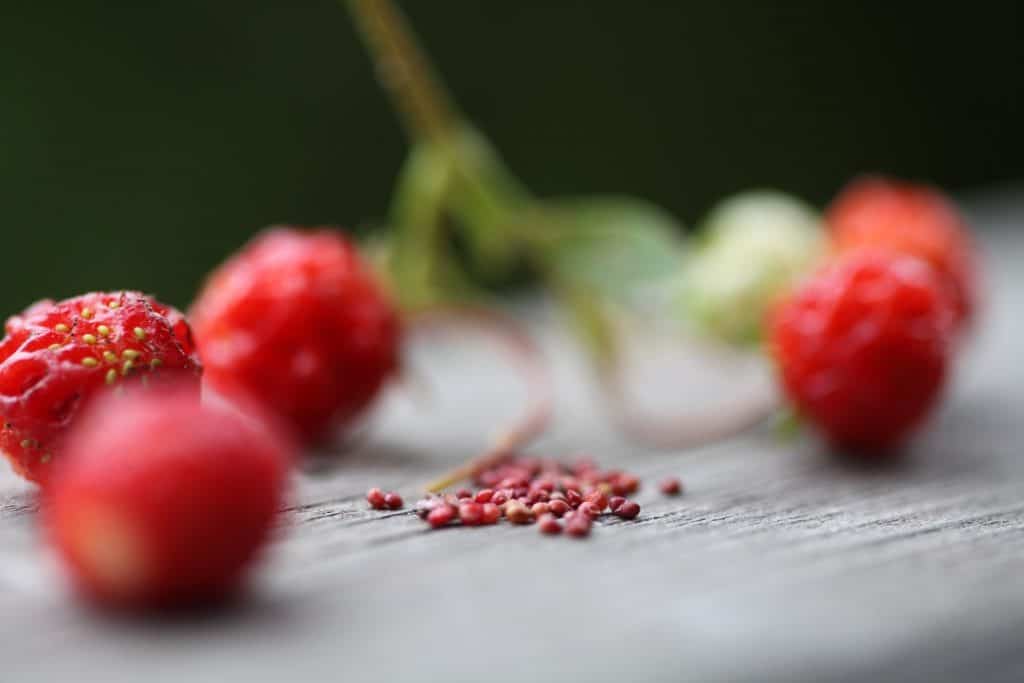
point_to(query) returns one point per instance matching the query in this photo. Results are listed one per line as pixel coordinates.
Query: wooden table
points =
(779, 564)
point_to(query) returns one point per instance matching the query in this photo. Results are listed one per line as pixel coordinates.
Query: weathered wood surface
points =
(778, 565)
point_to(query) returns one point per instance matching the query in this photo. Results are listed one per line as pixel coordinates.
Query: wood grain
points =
(779, 564)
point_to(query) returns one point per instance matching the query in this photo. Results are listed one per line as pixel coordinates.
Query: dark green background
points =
(142, 141)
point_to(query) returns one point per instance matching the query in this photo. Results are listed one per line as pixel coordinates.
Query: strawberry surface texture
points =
(57, 356)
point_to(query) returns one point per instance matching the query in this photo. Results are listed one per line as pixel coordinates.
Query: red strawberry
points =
(909, 219)
(296, 321)
(57, 355)
(863, 348)
(159, 501)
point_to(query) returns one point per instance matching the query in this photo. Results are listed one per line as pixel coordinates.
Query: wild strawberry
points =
(908, 219)
(160, 501)
(297, 322)
(862, 348)
(56, 356)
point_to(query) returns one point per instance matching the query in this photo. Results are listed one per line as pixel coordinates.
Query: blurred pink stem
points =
(713, 421)
(518, 347)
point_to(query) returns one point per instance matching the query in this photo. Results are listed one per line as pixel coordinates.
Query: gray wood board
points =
(779, 564)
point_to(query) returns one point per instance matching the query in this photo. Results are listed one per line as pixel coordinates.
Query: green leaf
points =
(484, 200)
(423, 186)
(610, 245)
(417, 214)
(420, 264)
(455, 191)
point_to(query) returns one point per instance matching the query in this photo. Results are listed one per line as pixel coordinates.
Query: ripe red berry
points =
(558, 508)
(863, 347)
(297, 322)
(463, 493)
(615, 503)
(671, 486)
(628, 510)
(484, 496)
(159, 501)
(908, 219)
(597, 499)
(375, 497)
(57, 356)
(625, 484)
(547, 524)
(471, 514)
(491, 514)
(393, 501)
(441, 515)
(545, 485)
(578, 525)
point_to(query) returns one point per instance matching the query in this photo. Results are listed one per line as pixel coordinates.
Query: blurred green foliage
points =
(141, 142)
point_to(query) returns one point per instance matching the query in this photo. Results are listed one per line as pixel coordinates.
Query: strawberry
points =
(298, 323)
(863, 348)
(56, 356)
(162, 502)
(909, 219)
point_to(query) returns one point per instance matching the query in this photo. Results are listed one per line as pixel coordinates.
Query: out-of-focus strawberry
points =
(911, 219)
(295, 321)
(162, 502)
(863, 348)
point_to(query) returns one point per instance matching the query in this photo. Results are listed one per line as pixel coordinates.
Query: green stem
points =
(404, 70)
(492, 197)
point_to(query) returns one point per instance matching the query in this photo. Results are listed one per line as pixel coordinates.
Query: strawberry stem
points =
(404, 70)
(688, 428)
(503, 221)
(521, 349)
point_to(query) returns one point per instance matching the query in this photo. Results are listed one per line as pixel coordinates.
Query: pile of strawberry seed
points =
(526, 490)
(379, 500)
